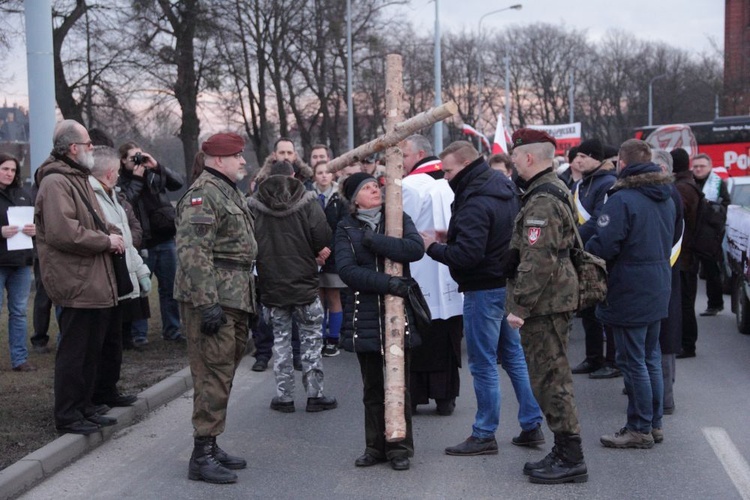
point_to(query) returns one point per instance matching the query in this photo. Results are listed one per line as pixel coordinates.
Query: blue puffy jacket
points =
(634, 235)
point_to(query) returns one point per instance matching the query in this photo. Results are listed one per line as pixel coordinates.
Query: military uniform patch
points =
(196, 200)
(534, 234)
(603, 220)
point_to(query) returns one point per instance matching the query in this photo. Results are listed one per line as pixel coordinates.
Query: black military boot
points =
(566, 466)
(205, 467)
(227, 460)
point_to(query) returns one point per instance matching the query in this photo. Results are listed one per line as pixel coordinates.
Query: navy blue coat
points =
(634, 235)
(592, 191)
(670, 335)
(360, 265)
(481, 226)
(335, 211)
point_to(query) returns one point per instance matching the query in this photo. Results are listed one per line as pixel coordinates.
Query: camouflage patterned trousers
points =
(309, 319)
(545, 344)
(213, 361)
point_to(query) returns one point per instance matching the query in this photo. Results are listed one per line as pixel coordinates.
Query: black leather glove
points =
(399, 285)
(212, 317)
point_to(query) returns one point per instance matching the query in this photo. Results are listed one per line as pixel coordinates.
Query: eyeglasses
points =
(87, 144)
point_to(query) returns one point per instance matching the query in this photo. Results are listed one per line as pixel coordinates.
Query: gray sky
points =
(683, 23)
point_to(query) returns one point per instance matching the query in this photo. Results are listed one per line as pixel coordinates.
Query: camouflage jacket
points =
(545, 281)
(215, 246)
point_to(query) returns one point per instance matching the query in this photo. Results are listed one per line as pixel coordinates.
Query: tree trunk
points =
(400, 132)
(395, 366)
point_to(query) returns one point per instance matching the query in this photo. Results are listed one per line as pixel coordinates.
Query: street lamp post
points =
(651, 98)
(480, 39)
(349, 106)
(437, 129)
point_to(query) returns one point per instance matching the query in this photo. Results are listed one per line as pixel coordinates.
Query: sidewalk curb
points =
(38, 465)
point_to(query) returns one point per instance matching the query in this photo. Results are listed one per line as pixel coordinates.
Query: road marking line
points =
(730, 457)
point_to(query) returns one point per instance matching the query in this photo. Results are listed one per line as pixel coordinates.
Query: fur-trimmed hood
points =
(302, 170)
(646, 178)
(279, 196)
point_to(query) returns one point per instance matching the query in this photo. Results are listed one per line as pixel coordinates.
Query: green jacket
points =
(545, 281)
(215, 246)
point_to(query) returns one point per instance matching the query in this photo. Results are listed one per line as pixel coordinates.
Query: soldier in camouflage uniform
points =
(292, 232)
(541, 300)
(214, 286)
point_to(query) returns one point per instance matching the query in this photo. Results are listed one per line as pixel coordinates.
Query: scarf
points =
(370, 216)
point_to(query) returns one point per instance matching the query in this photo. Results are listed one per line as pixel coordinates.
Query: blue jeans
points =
(639, 359)
(485, 327)
(17, 280)
(162, 261)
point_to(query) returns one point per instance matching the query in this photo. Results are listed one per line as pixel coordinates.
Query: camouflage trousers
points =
(309, 319)
(213, 361)
(545, 344)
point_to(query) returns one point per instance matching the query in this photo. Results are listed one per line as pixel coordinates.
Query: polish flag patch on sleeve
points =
(196, 200)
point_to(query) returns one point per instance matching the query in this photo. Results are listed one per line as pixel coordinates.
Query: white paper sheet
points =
(20, 216)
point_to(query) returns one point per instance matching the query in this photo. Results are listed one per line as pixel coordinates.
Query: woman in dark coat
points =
(361, 248)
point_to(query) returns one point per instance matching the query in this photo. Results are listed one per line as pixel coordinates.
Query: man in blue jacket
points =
(634, 235)
(475, 251)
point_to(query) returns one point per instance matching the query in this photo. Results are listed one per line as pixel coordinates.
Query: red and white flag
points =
(469, 130)
(502, 138)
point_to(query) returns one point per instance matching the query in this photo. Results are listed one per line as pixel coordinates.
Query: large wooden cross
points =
(396, 131)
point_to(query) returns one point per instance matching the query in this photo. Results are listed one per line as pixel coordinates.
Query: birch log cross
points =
(396, 131)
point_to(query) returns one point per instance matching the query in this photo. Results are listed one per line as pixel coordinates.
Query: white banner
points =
(567, 135)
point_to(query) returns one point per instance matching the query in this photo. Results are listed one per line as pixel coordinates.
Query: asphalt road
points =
(310, 455)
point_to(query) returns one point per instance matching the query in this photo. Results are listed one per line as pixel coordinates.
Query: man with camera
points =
(145, 183)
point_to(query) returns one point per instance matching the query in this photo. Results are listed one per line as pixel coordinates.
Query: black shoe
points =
(686, 354)
(585, 366)
(82, 426)
(320, 404)
(605, 372)
(559, 472)
(367, 460)
(227, 460)
(473, 446)
(260, 365)
(118, 400)
(400, 463)
(712, 311)
(282, 406)
(445, 407)
(541, 464)
(177, 339)
(204, 466)
(534, 437)
(96, 410)
(101, 420)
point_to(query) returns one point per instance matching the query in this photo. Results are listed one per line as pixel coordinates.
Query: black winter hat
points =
(680, 160)
(354, 182)
(572, 152)
(610, 151)
(592, 148)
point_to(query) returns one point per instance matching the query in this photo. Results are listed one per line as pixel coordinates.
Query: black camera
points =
(138, 158)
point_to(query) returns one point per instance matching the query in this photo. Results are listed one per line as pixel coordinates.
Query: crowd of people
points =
(296, 269)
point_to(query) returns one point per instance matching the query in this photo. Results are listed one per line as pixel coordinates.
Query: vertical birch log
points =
(395, 366)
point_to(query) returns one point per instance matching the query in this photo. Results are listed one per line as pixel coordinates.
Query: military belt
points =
(234, 265)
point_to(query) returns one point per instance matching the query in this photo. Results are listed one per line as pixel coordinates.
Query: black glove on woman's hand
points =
(399, 285)
(212, 317)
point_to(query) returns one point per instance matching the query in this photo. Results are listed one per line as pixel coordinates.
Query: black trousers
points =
(373, 377)
(713, 283)
(595, 334)
(689, 289)
(110, 361)
(42, 307)
(77, 361)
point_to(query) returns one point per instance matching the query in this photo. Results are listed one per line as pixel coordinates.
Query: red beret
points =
(225, 144)
(524, 136)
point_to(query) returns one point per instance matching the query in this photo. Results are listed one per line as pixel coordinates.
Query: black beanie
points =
(572, 152)
(354, 182)
(610, 151)
(592, 148)
(680, 160)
